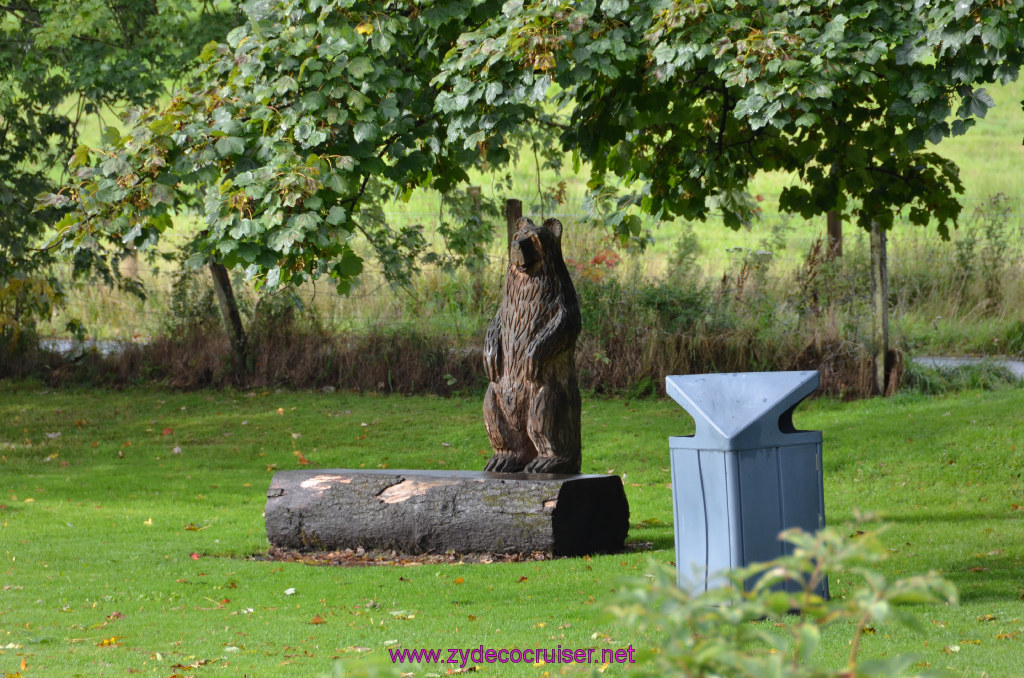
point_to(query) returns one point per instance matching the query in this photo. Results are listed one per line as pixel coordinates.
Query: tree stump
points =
(440, 511)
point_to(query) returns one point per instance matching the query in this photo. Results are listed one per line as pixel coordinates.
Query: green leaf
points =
(337, 215)
(349, 266)
(227, 146)
(360, 67)
(274, 277)
(313, 101)
(809, 638)
(808, 120)
(363, 131)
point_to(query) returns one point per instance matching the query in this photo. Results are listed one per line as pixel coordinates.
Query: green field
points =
(123, 555)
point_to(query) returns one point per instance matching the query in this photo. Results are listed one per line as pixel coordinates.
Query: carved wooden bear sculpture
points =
(532, 406)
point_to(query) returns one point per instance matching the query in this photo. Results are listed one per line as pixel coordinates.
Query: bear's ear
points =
(524, 223)
(555, 226)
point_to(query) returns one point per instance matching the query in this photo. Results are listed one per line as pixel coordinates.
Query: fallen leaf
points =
(195, 556)
(460, 580)
(318, 620)
(522, 579)
(148, 522)
(195, 664)
(168, 431)
(280, 410)
(987, 618)
(109, 642)
(115, 615)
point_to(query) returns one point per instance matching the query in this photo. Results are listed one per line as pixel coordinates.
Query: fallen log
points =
(440, 511)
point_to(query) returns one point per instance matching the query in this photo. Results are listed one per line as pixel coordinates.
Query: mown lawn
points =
(128, 522)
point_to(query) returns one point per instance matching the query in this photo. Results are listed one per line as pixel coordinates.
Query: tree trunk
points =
(513, 213)
(232, 319)
(834, 226)
(439, 511)
(880, 304)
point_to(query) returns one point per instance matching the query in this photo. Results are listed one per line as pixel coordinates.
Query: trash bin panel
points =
(690, 521)
(706, 513)
(800, 480)
(719, 477)
(760, 504)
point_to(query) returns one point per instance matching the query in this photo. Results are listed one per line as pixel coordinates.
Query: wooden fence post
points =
(513, 213)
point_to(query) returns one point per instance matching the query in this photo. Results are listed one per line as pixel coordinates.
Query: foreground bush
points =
(730, 632)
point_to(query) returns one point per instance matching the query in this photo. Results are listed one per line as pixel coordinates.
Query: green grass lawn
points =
(121, 556)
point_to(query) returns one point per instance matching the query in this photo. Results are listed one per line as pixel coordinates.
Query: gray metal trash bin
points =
(745, 475)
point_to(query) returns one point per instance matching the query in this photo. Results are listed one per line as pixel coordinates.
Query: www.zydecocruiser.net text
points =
(461, 656)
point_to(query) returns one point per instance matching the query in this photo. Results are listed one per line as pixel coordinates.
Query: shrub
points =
(731, 632)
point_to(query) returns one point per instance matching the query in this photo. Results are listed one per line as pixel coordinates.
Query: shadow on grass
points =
(649, 542)
(987, 578)
(919, 518)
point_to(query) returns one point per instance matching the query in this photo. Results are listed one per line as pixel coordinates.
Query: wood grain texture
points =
(532, 405)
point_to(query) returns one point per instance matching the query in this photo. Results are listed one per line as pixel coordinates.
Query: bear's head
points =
(533, 246)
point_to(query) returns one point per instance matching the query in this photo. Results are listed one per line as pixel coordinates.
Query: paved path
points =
(1016, 367)
(65, 346)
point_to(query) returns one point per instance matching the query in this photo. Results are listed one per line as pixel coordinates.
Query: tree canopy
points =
(311, 117)
(688, 99)
(314, 113)
(63, 61)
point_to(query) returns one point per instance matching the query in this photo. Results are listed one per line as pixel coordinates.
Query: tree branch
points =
(723, 121)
